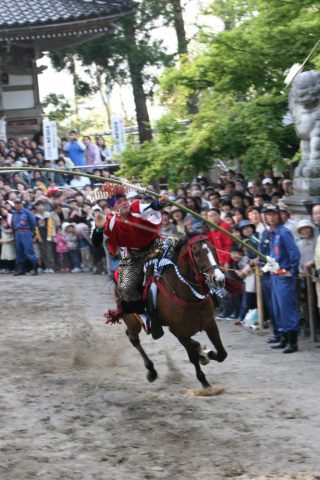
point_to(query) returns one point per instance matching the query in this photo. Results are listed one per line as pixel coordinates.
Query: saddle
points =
(149, 296)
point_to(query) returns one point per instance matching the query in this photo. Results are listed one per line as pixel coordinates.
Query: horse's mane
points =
(183, 242)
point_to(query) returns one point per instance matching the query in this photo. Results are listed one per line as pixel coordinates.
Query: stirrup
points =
(145, 322)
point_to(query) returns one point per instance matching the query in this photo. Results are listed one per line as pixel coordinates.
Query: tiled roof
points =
(23, 13)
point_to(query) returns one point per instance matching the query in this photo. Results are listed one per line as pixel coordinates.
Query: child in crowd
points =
(62, 250)
(249, 299)
(102, 259)
(237, 254)
(228, 218)
(85, 245)
(69, 231)
(249, 236)
(8, 251)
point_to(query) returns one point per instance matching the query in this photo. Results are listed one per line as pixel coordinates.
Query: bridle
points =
(198, 273)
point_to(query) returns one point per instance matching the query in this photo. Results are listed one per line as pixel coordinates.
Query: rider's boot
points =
(137, 307)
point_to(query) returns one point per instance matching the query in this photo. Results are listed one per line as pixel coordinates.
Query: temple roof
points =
(17, 13)
(53, 23)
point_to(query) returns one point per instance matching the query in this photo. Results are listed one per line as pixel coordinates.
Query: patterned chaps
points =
(131, 271)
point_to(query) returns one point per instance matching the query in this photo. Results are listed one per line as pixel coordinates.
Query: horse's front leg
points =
(213, 333)
(133, 330)
(192, 348)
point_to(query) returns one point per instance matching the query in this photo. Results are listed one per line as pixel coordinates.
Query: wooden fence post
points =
(311, 305)
(259, 297)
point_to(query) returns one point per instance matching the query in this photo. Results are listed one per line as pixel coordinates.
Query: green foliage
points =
(56, 107)
(153, 160)
(237, 75)
(239, 78)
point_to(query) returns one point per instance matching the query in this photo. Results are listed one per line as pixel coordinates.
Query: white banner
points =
(3, 129)
(118, 134)
(50, 140)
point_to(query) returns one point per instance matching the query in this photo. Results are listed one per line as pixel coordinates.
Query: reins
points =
(192, 241)
(188, 255)
(177, 300)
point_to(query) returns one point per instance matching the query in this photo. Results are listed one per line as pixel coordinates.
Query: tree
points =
(239, 77)
(56, 107)
(131, 55)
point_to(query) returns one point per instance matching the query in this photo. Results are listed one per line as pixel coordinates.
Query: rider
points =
(136, 227)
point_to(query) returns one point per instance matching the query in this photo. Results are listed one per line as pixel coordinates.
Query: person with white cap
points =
(286, 220)
(286, 185)
(284, 250)
(306, 245)
(268, 186)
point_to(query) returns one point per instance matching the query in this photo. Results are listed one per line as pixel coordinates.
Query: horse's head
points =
(199, 251)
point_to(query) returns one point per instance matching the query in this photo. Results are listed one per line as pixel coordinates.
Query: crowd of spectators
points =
(58, 202)
(63, 212)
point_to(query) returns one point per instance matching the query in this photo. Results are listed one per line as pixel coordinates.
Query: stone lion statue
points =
(304, 105)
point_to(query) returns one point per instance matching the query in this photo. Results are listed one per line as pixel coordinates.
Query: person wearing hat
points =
(268, 186)
(134, 226)
(284, 250)
(23, 225)
(102, 260)
(249, 299)
(306, 245)
(286, 186)
(249, 236)
(177, 216)
(286, 220)
(43, 236)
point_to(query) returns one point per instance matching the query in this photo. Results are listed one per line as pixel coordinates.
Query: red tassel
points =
(113, 316)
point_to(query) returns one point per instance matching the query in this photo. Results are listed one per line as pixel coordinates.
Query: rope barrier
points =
(140, 189)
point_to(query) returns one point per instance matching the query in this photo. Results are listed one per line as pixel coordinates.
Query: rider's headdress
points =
(114, 191)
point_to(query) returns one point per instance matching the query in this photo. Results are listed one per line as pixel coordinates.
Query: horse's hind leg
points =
(214, 336)
(192, 347)
(134, 339)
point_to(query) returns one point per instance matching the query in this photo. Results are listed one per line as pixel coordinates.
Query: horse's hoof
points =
(204, 355)
(152, 375)
(221, 358)
(204, 358)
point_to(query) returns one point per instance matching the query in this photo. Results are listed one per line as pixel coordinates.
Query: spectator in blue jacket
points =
(23, 225)
(74, 149)
(284, 250)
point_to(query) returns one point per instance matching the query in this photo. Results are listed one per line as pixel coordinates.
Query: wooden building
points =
(30, 27)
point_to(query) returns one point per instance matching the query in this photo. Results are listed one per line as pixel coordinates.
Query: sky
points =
(51, 81)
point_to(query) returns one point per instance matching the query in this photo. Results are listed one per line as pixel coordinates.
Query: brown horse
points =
(184, 303)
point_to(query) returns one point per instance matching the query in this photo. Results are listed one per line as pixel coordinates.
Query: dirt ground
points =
(75, 403)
